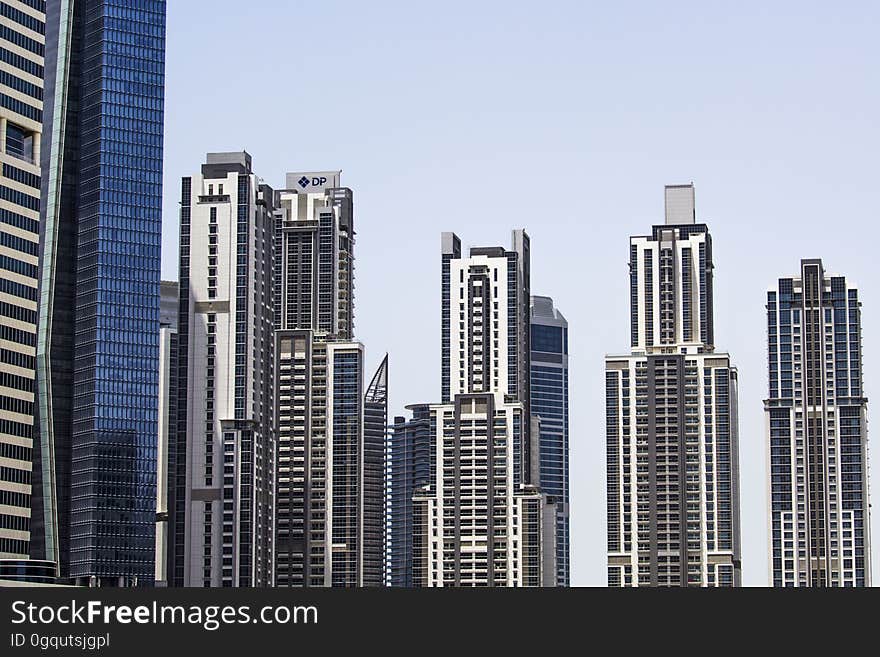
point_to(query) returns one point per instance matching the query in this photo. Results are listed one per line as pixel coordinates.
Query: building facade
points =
(97, 346)
(168, 368)
(549, 394)
(328, 469)
(22, 48)
(479, 521)
(671, 419)
(221, 467)
(816, 419)
(373, 488)
(407, 469)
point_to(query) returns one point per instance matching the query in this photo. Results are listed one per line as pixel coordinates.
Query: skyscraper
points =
(98, 337)
(221, 467)
(549, 394)
(479, 521)
(407, 469)
(22, 45)
(671, 418)
(816, 418)
(329, 463)
(373, 473)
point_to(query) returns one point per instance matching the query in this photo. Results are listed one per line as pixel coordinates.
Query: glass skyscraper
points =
(549, 394)
(816, 418)
(98, 335)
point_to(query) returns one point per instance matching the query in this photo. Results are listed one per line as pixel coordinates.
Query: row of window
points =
(13, 428)
(19, 267)
(13, 546)
(20, 40)
(12, 498)
(17, 335)
(15, 452)
(19, 107)
(19, 313)
(20, 175)
(18, 243)
(14, 475)
(16, 382)
(22, 86)
(39, 5)
(23, 19)
(19, 221)
(19, 62)
(14, 523)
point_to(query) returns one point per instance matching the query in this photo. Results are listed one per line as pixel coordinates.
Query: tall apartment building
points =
(549, 395)
(816, 418)
(671, 418)
(479, 521)
(97, 344)
(221, 466)
(407, 469)
(22, 46)
(328, 469)
(169, 306)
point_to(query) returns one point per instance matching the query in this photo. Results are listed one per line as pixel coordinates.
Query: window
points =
(19, 142)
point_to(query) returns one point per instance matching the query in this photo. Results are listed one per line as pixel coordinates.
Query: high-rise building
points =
(407, 469)
(549, 394)
(373, 473)
(479, 521)
(327, 460)
(671, 418)
(22, 45)
(94, 481)
(816, 418)
(221, 466)
(168, 308)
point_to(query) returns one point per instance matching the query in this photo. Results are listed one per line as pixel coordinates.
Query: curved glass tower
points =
(98, 333)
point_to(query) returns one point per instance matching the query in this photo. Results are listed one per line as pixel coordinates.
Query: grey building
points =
(816, 419)
(328, 481)
(97, 342)
(671, 418)
(549, 395)
(221, 465)
(21, 89)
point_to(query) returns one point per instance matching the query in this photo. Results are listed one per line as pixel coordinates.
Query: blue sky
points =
(566, 119)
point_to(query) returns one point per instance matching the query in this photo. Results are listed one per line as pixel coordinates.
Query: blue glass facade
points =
(101, 258)
(346, 413)
(549, 402)
(407, 468)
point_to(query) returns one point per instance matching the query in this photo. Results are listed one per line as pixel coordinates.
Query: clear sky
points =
(566, 119)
